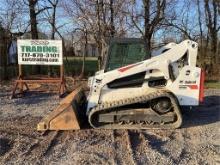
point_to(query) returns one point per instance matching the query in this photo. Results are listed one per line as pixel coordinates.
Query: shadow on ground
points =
(34, 97)
(207, 113)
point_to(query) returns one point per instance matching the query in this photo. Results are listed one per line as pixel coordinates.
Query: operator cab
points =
(125, 51)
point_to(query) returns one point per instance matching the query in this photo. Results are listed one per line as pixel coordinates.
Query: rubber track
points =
(143, 98)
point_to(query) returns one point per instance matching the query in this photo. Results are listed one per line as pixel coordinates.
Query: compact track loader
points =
(134, 91)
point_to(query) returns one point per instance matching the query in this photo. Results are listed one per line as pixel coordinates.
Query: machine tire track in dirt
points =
(135, 141)
(122, 146)
(42, 146)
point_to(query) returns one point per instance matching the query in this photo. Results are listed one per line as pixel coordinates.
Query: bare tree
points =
(103, 18)
(99, 33)
(85, 52)
(111, 5)
(33, 13)
(200, 21)
(182, 21)
(152, 14)
(52, 22)
(11, 25)
(212, 23)
(11, 17)
(105, 29)
(52, 19)
(3, 51)
(33, 18)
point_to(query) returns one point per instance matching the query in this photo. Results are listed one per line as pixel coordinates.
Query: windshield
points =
(122, 54)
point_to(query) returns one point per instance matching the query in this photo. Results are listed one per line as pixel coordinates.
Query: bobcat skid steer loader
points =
(134, 91)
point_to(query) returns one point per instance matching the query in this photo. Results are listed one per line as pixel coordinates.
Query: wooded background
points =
(79, 22)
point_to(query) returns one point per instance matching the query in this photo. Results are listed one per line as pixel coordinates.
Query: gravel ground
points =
(197, 142)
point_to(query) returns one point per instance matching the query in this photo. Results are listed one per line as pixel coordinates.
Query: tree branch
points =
(179, 28)
(41, 10)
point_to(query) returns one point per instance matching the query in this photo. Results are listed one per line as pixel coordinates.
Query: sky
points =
(68, 25)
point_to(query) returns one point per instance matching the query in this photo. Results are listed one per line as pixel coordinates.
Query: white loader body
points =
(176, 63)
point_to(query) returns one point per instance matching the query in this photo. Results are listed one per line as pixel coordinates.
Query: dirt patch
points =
(197, 142)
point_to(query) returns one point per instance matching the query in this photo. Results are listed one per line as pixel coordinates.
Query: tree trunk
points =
(201, 54)
(112, 19)
(53, 31)
(3, 54)
(34, 33)
(84, 55)
(53, 23)
(200, 23)
(33, 19)
(99, 43)
(147, 32)
(211, 22)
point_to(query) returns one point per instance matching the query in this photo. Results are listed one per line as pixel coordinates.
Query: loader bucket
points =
(68, 115)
